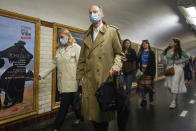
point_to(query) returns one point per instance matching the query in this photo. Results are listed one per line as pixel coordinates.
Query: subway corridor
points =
(155, 117)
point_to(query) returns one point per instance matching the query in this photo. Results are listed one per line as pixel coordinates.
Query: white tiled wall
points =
(45, 86)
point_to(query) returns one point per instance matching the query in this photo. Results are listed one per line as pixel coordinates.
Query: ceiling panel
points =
(155, 20)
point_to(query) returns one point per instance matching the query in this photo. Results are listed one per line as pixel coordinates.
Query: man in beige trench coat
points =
(100, 54)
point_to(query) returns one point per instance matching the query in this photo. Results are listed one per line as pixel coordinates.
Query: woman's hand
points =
(39, 77)
(124, 59)
(176, 62)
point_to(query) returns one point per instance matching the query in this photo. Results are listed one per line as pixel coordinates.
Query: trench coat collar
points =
(88, 40)
(62, 50)
(90, 29)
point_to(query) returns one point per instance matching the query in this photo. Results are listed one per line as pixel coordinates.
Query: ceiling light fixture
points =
(191, 11)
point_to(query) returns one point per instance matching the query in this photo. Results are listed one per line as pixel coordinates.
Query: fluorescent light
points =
(191, 11)
(193, 20)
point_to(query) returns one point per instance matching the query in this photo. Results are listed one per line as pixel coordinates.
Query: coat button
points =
(100, 57)
(97, 70)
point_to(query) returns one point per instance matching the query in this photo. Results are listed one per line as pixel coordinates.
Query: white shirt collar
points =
(98, 28)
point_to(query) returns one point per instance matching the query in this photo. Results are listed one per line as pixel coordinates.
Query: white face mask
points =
(63, 41)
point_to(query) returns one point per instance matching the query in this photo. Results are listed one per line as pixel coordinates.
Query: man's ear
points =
(101, 15)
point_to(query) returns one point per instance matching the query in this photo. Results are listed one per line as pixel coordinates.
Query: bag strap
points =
(115, 79)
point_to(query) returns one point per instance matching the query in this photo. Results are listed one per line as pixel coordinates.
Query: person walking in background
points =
(66, 61)
(194, 65)
(188, 69)
(147, 65)
(175, 57)
(129, 66)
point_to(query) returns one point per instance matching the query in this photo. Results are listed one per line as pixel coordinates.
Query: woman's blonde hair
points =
(71, 39)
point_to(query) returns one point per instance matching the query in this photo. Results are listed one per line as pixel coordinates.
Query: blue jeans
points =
(126, 79)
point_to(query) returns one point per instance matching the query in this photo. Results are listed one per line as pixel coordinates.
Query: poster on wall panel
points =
(19, 55)
(78, 35)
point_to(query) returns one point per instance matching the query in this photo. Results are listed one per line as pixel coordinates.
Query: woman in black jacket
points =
(129, 65)
(147, 64)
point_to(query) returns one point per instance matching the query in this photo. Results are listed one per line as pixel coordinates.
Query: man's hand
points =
(114, 72)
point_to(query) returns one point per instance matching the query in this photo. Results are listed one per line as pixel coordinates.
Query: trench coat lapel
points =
(88, 39)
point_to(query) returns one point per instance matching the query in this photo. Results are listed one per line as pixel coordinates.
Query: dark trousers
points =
(66, 101)
(150, 92)
(100, 126)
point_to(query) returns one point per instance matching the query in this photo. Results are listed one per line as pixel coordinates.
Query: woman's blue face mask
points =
(63, 41)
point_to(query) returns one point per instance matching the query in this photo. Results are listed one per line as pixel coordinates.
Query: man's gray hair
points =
(100, 8)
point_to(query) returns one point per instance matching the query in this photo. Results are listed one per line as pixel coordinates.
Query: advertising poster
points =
(17, 58)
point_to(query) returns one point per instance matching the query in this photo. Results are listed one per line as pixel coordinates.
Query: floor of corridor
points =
(156, 117)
